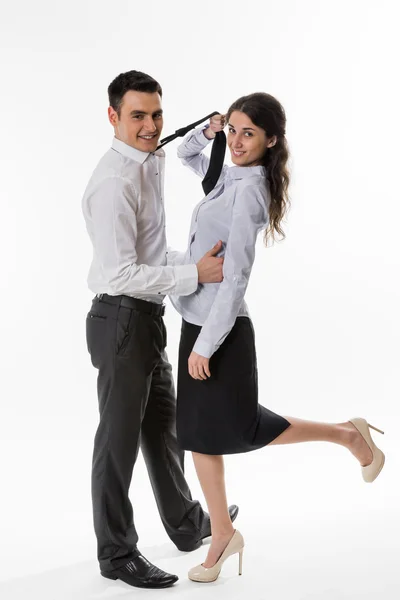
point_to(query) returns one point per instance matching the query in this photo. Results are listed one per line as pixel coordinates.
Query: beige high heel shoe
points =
(371, 471)
(204, 575)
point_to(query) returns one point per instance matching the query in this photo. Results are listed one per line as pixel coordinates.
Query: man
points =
(124, 212)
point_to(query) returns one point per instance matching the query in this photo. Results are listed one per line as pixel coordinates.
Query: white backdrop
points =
(324, 302)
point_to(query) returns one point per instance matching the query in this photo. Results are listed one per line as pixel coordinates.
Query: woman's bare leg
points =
(211, 473)
(344, 434)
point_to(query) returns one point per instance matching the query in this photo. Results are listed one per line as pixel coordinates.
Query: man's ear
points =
(272, 141)
(112, 116)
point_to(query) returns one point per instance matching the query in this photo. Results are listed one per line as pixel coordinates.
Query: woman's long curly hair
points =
(266, 112)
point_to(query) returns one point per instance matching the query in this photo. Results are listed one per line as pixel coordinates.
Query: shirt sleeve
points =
(191, 155)
(175, 257)
(113, 207)
(249, 217)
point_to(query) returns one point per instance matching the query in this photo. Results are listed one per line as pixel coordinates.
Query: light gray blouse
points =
(235, 211)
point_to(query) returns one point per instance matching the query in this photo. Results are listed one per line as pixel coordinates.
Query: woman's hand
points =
(217, 123)
(198, 366)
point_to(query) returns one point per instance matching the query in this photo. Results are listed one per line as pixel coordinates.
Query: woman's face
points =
(247, 142)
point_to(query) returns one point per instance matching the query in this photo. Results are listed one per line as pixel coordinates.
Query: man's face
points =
(140, 121)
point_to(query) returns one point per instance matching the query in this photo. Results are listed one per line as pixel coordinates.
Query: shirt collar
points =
(133, 153)
(242, 172)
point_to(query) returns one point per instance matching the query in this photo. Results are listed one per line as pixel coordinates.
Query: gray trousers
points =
(126, 340)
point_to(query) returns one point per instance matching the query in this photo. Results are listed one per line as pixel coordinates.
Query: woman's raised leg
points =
(344, 434)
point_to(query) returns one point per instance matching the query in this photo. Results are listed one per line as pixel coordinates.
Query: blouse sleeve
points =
(191, 155)
(250, 216)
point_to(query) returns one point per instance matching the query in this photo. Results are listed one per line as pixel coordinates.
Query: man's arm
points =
(113, 207)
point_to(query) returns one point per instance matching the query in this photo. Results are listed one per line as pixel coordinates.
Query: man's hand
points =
(209, 267)
(217, 123)
(198, 366)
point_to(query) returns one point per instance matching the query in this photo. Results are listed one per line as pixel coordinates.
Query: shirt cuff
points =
(204, 348)
(207, 126)
(187, 280)
(199, 137)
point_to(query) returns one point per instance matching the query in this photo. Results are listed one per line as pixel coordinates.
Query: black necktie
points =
(217, 153)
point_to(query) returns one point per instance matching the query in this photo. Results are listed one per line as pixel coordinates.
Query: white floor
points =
(313, 530)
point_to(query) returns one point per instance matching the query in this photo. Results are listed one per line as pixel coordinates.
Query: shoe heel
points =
(240, 561)
(108, 575)
(375, 428)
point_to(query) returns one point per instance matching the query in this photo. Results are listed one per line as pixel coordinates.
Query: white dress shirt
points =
(235, 211)
(124, 213)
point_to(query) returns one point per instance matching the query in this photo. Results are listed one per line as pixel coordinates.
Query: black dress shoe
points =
(206, 530)
(139, 572)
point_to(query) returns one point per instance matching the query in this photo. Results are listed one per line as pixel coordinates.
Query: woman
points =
(217, 407)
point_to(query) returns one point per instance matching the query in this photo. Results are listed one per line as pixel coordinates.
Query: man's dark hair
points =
(131, 80)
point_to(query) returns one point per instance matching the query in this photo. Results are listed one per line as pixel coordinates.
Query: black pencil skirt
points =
(221, 414)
